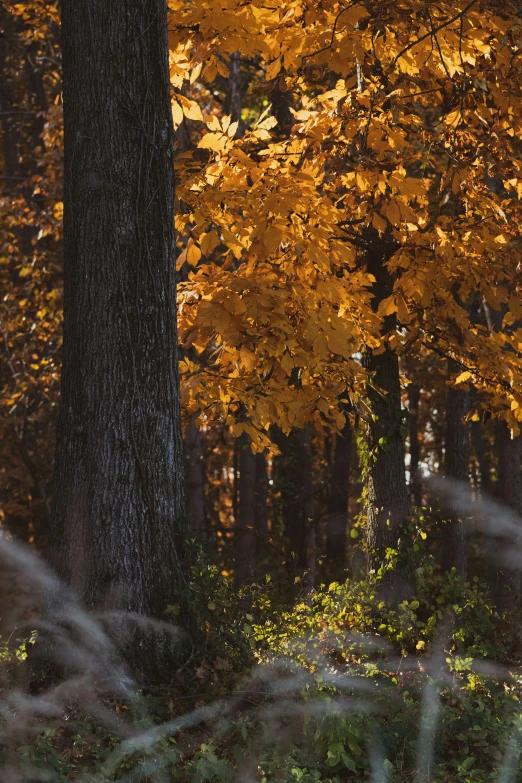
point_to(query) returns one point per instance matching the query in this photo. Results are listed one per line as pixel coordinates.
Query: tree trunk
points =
(194, 481)
(117, 527)
(387, 497)
(246, 535)
(337, 519)
(456, 467)
(10, 135)
(477, 438)
(234, 98)
(294, 483)
(414, 393)
(261, 497)
(506, 554)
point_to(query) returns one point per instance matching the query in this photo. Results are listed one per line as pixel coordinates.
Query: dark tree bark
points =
(414, 395)
(8, 106)
(481, 455)
(234, 97)
(117, 518)
(457, 442)
(294, 482)
(194, 481)
(505, 554)
(246, 534)
(337, 519)
(387, 500)
(261, 497)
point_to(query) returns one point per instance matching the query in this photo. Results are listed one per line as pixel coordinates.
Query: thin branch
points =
(329, 46)
(460, 45)
(473, 370)
(433, 31)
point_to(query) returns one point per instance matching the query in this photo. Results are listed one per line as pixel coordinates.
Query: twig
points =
(329, 46)
(433, 32)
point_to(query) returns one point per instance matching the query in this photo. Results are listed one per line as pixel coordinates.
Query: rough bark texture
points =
(505, 555)
(387, 502)
(117, 517)
(194, 481)
(246, 535)
(337, 520)
(457, 443)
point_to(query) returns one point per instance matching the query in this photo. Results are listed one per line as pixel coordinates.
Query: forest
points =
(261, 391)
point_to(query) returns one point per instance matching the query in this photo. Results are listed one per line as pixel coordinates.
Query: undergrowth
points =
(339, 687)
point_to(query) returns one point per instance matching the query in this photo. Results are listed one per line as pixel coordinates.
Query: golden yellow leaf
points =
(319, 257)
(273, 69)
(392, 212)
(272, 238)
(388, 306)
(190, 108)
(209, 242)
(213, 141)
(402, 310)
(213, 123)
(287, 363)
(379, 222)
(177, 114)
(193, 254)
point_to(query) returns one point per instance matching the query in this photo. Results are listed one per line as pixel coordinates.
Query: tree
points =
(418, 104)
(117, 515)
(457, 444)
(337, 518)
(293, 481)
(506, 553)
(387, 501)
(246, 532)
(194, 480)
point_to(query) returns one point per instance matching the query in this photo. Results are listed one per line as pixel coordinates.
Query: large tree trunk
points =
(117, 518)
(387, 497)
(337, 519)
(505, 554)
(456, 467)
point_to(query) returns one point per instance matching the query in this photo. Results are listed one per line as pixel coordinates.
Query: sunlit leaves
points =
(410, 143)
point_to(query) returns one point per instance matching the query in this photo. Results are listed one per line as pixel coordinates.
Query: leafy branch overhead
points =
(406, 128)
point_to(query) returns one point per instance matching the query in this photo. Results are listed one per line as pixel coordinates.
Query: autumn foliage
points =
(309, 136)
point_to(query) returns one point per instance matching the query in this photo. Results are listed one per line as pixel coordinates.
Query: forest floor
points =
(340, 687)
